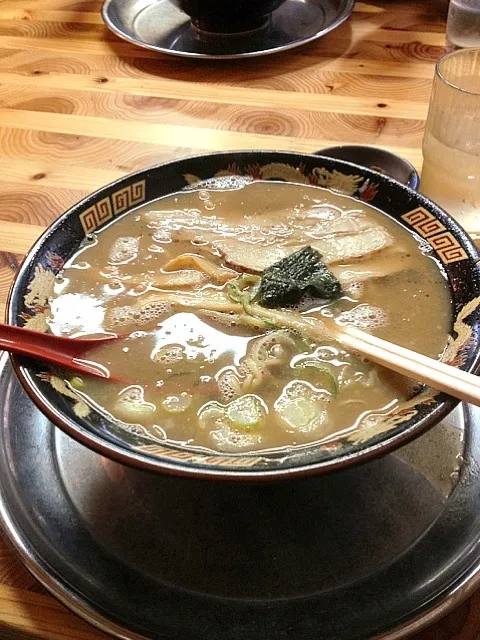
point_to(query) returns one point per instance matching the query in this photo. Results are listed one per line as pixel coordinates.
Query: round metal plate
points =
(378, 550)
(162, 27)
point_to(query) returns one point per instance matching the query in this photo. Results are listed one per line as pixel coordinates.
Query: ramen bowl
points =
(228, 16)
(440, 235)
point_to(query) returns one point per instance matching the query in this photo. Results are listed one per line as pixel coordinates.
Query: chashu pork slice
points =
(254, 258)
(334, 250)
(347, 223)
(380, 265)
(358, 246)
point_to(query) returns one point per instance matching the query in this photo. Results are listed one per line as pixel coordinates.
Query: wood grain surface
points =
(79, 108)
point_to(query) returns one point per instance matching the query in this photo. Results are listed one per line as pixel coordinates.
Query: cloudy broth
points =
(200, 367)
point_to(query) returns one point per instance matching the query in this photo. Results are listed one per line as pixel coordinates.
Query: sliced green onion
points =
(298, 413)
(317, 374)
(77, 383)
(246, 413)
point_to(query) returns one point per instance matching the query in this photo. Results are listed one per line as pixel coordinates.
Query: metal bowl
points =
(444, 239)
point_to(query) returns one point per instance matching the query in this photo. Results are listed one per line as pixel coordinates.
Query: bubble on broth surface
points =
(354, 289)
(114, 287)
(306, 302)
(119, 316)
(169, 354)
(324, 212)
(156, 249)
(230, 441)
(228, 385)
(124, 250)
(364, 316)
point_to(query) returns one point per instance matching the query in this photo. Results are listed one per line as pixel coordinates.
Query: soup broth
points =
(204, 363)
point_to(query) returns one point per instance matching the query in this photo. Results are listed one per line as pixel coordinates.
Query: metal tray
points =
(160, 26)
(375, 551)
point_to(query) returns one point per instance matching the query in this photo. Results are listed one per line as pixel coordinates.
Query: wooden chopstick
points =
(438, 375)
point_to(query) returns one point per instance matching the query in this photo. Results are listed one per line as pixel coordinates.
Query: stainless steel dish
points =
(378, 551)
(160, 26)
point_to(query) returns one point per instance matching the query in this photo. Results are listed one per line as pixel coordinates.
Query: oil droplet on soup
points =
(204, 363)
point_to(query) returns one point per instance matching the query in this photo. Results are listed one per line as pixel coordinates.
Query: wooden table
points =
(79, 108)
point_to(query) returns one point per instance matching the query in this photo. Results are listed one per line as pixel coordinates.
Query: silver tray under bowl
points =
(160, 26)
(374, 551)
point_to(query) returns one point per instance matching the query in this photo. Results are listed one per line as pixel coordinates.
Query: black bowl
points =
(228, 16)
(377, 159)
(444, 238)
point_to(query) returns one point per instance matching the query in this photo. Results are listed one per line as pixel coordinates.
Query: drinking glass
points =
(463, 23)
(451, 144)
